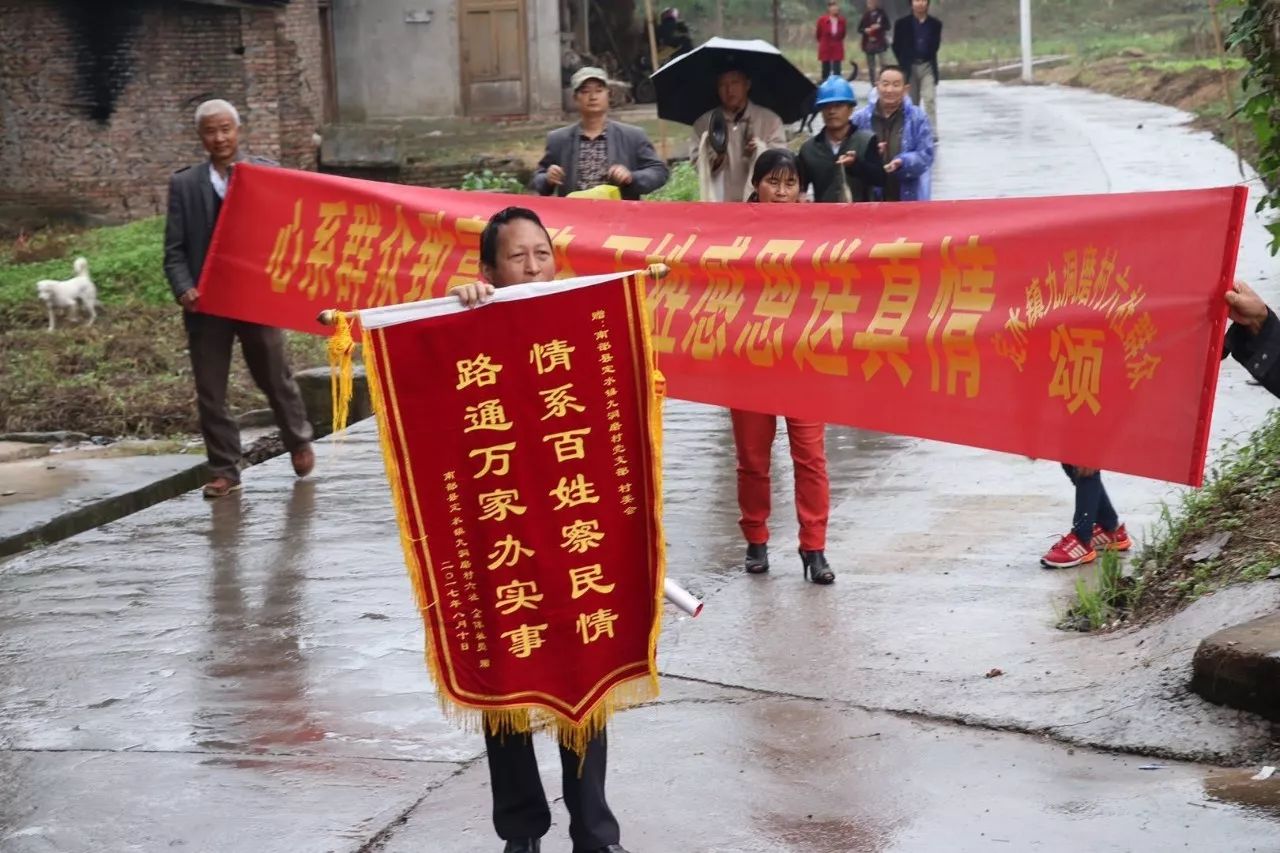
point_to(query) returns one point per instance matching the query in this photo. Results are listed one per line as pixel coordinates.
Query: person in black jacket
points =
(916, 40)
(841, 162)
(1254, 336)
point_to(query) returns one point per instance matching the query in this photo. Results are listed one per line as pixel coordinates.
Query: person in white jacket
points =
(728, 138)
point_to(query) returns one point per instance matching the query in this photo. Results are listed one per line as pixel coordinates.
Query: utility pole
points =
(1027, 72)
(777, 26)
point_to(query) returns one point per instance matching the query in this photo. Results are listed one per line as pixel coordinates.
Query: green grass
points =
(1181, 66)
(1100, 598)
(125, 262)
(127, 374)
(1239, 497)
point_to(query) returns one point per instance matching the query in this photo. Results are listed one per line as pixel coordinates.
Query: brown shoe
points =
(304, 460)
(220, 487)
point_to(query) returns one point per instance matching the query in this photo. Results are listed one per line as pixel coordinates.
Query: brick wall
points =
(97, 99)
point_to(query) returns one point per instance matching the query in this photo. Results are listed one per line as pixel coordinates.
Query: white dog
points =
(70, 296)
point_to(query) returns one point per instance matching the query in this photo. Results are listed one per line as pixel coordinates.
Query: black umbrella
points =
(686, 85)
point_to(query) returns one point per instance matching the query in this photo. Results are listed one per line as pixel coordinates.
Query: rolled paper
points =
(681, 597)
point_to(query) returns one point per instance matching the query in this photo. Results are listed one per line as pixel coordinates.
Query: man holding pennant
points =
(525, 476)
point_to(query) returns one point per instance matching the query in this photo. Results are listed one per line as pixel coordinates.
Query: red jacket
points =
(831, 46)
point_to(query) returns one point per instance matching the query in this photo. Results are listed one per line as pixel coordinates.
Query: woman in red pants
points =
(777, 179)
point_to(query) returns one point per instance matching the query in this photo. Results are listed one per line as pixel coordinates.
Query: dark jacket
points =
(877, 42)
(628, 146)
(819, 165)
(904, 43)
(1260, 353)
(188, 228)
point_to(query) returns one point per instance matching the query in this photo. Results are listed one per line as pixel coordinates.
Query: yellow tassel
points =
(341, 349)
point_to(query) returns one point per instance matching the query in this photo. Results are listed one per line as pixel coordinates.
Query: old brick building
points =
(97, 97)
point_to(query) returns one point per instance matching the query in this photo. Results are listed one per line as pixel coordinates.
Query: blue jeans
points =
(1092, 505)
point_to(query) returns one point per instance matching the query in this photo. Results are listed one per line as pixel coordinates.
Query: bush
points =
(681, 186)
(491, 182)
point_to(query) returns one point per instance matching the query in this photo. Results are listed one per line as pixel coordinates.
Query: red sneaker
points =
(1069, 551)
(1113, 540)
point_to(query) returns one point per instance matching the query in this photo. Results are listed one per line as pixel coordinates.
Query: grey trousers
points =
(925, 88)
(209, 343)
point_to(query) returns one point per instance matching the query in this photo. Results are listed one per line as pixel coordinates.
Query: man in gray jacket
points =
(596, 150)
(195, 200)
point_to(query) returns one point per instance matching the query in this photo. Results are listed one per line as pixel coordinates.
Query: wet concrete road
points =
(247, 675)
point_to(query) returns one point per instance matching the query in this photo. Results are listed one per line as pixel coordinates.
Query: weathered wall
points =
(97, 99)
(393, 65)
(389, 68)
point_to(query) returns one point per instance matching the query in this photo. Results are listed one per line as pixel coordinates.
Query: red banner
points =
(526, 483)
(1085, 329)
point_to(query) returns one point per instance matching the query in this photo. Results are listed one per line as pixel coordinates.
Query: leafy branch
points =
(1256, 34)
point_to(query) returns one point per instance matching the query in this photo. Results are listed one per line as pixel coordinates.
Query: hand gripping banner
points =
(521, 439)
(1085, 329)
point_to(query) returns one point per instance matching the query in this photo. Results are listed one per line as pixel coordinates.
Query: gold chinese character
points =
(547, 357)
(1014, 347)
(568, 444)
(288, 242)
(488, 414)
(320, 257)
(559, 402)
(588, 579)
(761, 338)
(357, 250)
(1143, 368)
(884, 338)
(517, 595)
(1077, 374)
(432, 252)
(720, 302)
(833, 298)
(593, 626)
(581, 536)
(499, 504)
(497, 459)
(1036, 309)
(524, 640)
(479, 371)
(967, 292)
(391, 255)
(507, 552)
(574, 492)
(1139, 336)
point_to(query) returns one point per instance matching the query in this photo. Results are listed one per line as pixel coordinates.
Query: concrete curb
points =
(1240, 667)
(314, 384)
(106, 510)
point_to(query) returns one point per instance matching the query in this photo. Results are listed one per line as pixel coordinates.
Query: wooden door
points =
(495, 68)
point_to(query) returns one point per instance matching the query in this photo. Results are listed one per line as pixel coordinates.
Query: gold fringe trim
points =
(341, 349)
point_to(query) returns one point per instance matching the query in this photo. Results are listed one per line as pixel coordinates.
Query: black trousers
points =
(829, 68)
(520, 807)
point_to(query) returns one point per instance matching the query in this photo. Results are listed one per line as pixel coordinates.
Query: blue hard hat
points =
(835, 90)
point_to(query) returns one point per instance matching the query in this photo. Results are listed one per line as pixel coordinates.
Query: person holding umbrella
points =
(730, 136)
(842, 163)
(757, 92)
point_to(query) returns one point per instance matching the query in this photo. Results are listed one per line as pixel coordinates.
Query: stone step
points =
(1240, 667)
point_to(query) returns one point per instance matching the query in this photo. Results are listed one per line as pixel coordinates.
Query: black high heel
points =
(816, 568)
(757, 562)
